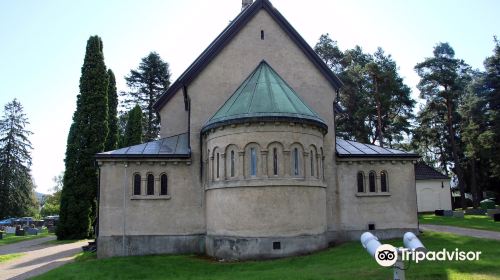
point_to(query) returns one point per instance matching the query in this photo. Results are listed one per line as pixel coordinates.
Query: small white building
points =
(433, 189)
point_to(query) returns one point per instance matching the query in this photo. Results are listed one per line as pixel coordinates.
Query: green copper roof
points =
(264, 95)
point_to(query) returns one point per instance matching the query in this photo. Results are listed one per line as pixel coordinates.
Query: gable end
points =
(225, 37)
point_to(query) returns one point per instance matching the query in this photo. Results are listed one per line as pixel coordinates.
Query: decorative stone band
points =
(267, 119)
(267, 182)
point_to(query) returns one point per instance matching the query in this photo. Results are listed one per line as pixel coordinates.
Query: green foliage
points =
(87, 137)
(52, 202)
(345, 261)
(16, 185)
(133, 131)
(112, 139)
(377, 106)
(147, 84)
(491, 85)
(443, 79)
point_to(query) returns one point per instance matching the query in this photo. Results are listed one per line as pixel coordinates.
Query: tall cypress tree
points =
(133, 130)
(112, 140)
(87, 136)
(16, 186)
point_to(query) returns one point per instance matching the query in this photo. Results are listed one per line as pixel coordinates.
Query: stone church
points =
(248, 165)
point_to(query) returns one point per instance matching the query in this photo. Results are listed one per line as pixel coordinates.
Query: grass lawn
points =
(345, 261)
(469, 221)
(8, 257)
(12, 238)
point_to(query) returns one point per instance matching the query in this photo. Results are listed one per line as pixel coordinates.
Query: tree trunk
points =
(454, 152)
(473, 184)
(379, 114)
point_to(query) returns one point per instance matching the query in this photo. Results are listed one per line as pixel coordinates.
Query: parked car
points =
(25, 220)
(7, 222)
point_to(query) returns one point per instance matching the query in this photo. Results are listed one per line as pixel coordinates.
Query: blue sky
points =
(42, 45)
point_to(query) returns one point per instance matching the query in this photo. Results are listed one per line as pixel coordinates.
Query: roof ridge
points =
(259, 69)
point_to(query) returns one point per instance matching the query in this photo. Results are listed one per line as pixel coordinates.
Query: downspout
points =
(187, 107)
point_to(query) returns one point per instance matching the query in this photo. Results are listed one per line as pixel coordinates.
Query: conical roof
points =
(264, 95)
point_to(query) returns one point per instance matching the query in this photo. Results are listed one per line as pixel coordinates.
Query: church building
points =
(247, 165)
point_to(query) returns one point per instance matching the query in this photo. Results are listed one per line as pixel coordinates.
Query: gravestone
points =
(475, 212)
(496, 217)
(458, 214)
(448, 213)
(10, 230)
(20, 232)
(32, 231)
(438, 212)
(491, 212)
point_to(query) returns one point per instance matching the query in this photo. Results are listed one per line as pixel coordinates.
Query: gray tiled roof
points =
(171, 147)
(423, 172)
(346, 148)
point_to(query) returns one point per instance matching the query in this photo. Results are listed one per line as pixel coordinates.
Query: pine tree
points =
(442, 80)
(146, 84)
(377, 104)
(16, 186)
(112, 139)
(87, 137)
(492, 97)
(133, 130)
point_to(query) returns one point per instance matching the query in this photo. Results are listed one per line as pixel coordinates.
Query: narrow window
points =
(163, 184)
(151, 185)
(137, 184)
(232, 163)
(295, 161)
(361, 182)
(217, 165)
(371, 179)
(253, 162)
(383, 181)
(262, 34)
(312, 163)
(275, 161)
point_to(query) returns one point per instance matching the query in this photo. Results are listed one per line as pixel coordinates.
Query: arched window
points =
(163, 184)
(361, 182)
(371, 181)
(137, 184)
(275, 161)
(232, 163)
(253, 162)
(383, 181)
(295, 161)
(217, 165)
(151, 185)
(311, 157)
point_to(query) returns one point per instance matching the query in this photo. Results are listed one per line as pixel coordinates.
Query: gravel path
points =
(38, 257)
(463, 231)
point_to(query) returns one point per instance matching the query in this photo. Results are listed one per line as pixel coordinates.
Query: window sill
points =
(373, 194)
(150, 197)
